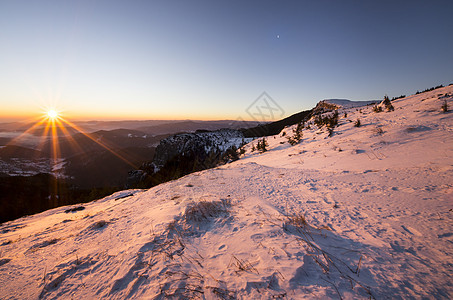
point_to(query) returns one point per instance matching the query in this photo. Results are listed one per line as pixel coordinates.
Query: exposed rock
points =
(198, 144)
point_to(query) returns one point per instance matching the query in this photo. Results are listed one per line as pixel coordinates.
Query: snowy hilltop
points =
(354, 203)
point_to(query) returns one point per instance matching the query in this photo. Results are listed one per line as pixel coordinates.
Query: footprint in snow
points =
(257, 237)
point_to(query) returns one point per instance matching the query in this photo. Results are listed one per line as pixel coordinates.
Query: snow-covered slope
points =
(364, 213)
(344, 103)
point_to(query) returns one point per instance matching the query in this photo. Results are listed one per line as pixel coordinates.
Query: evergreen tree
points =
(295, 139)
(388, 104)
(444, 107)
(262, 144)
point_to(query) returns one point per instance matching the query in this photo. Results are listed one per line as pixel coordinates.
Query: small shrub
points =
(205, 210)
(330, 131)
(377, 109)
(328, 120)
(444, 107)
(357, 123)
(242, 265)
(333, 120)
(318, 121)
(99, 224)
(296, 220)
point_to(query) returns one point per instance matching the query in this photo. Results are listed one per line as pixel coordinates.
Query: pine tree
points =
(444, 107)
(295, 139)
(262, 144)
(388, 104)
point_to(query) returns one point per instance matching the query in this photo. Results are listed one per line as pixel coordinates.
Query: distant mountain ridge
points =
(192, 126)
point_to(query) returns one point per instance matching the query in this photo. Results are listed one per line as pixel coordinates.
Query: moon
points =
(278, 36)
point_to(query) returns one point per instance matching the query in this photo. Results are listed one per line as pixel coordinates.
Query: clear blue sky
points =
(212, 59)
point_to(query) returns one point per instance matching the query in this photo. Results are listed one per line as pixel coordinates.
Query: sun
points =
(52, 114)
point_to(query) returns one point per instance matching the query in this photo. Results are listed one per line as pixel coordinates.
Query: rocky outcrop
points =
(198, 144)
(184, 153)
(334, 104)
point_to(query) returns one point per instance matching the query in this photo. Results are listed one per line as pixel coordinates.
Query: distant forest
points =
(26, 195)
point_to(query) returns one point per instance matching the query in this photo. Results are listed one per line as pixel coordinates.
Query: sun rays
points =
(51, 128)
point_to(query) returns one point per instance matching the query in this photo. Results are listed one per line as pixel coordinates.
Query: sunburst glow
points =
(52, 114)
(51, 127)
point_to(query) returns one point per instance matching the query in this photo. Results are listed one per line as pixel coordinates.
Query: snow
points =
(349, 103)
(28, 167)
(364, 213)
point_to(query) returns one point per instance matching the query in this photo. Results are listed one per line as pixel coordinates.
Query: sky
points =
(211, 60)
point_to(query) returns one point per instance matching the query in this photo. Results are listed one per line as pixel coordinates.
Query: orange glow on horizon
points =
(51, 123)
(107, 115)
